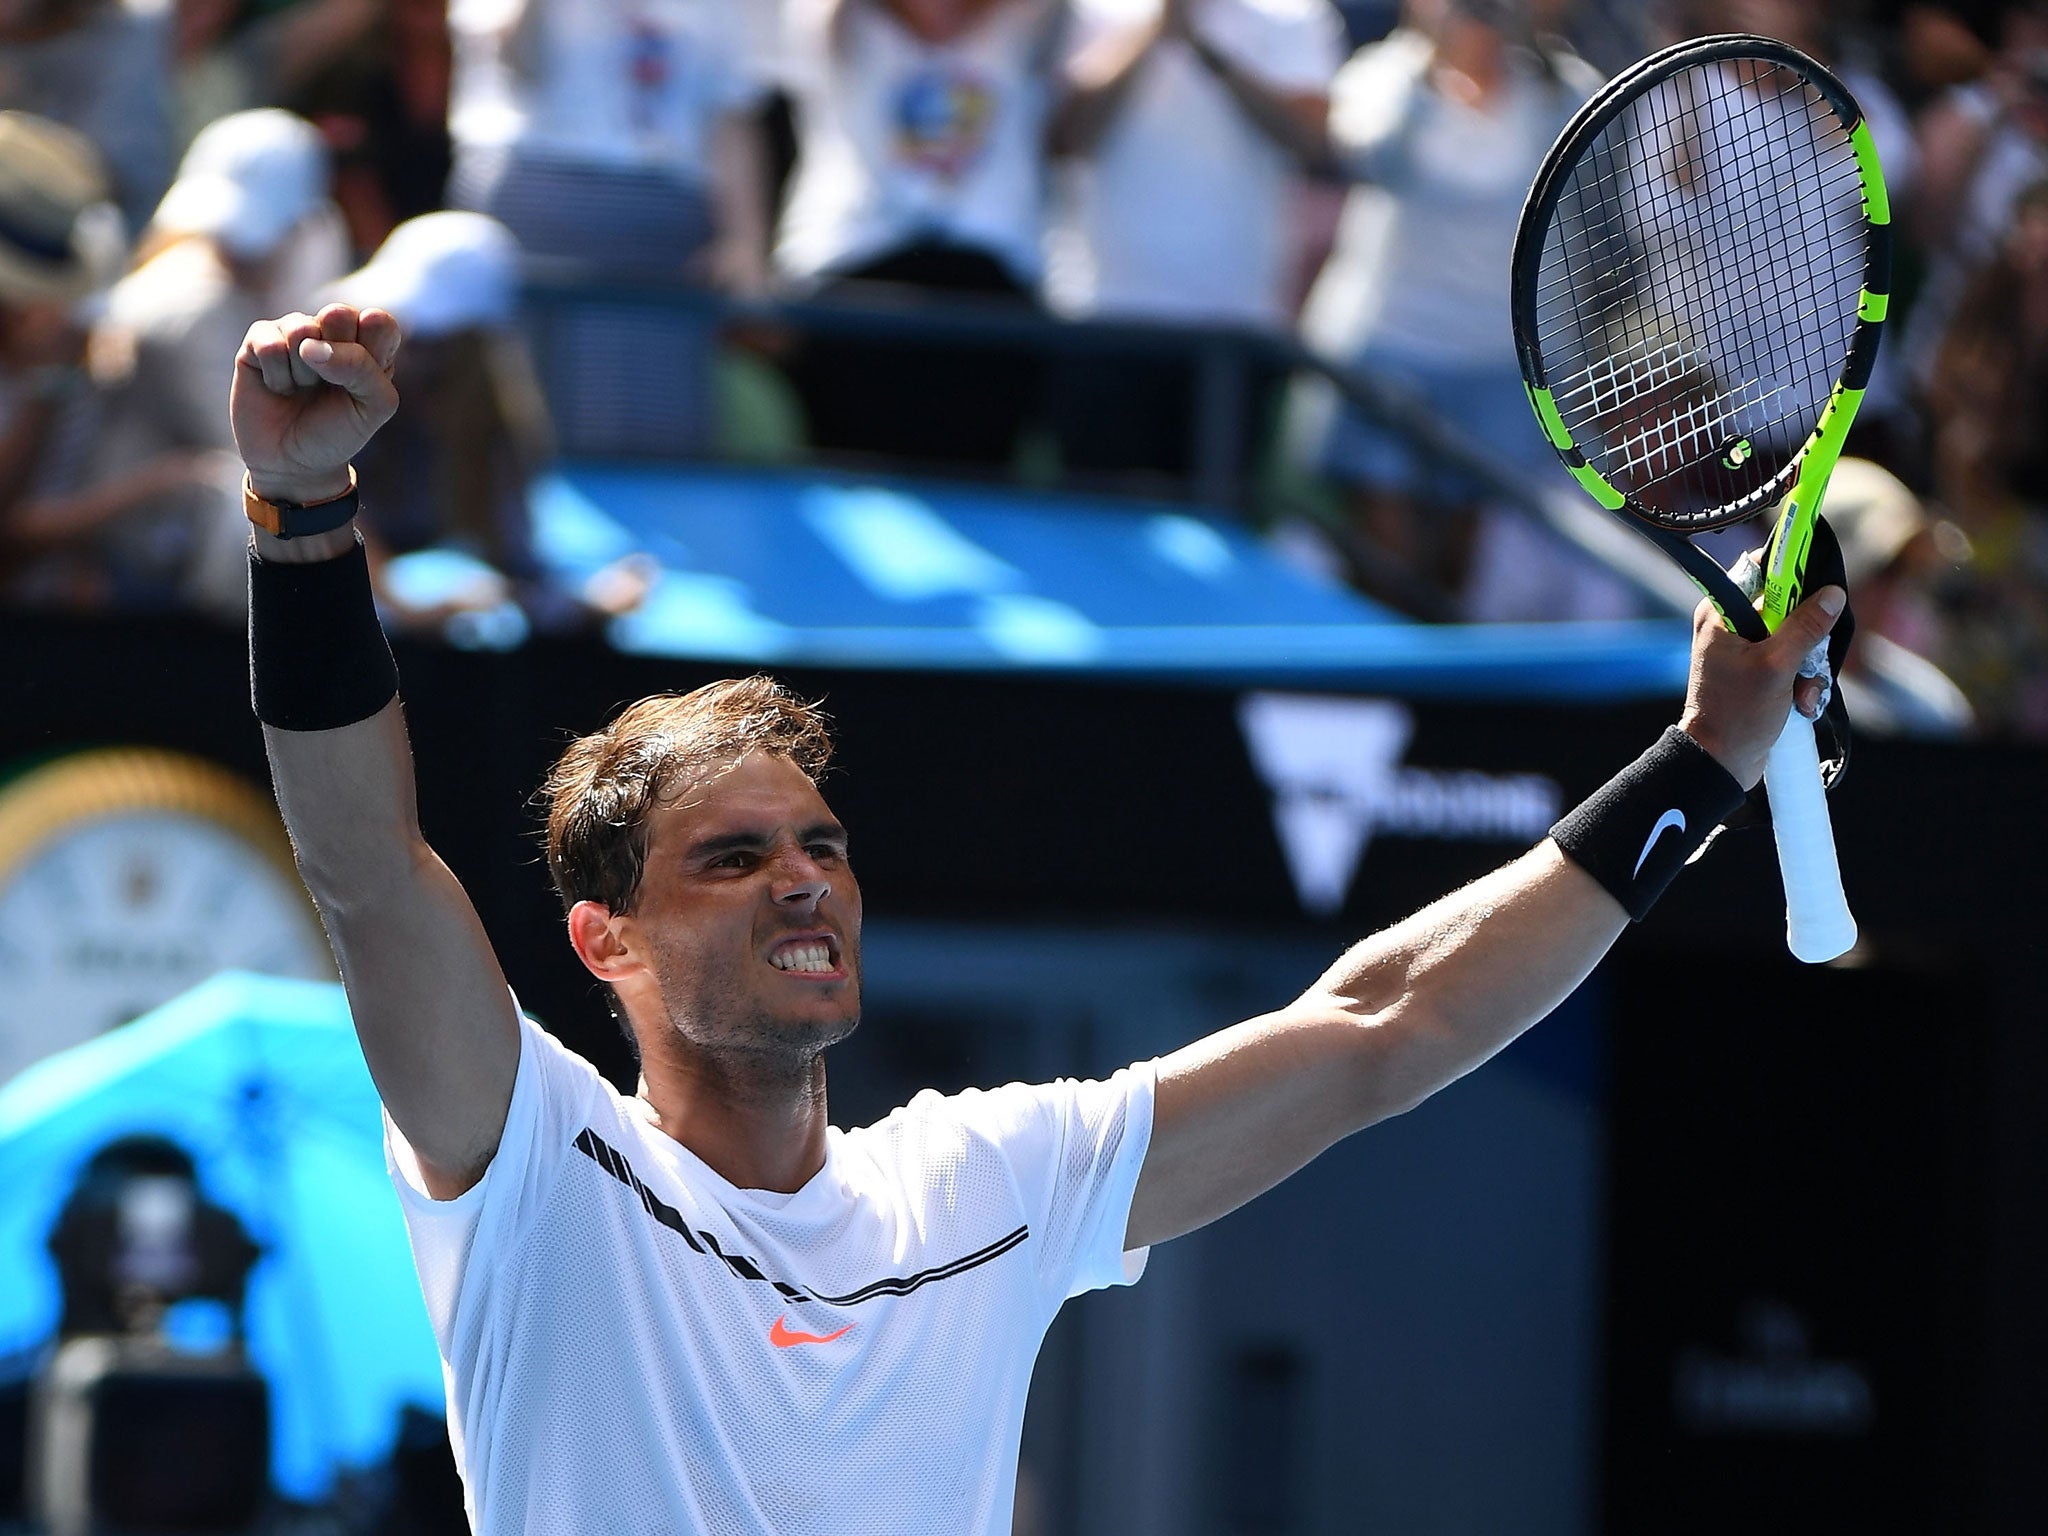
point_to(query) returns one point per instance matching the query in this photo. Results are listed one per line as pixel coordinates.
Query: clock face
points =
(113, 914)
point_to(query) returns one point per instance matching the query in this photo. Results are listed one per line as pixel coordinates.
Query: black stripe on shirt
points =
(908, 1283)
(613, 1162)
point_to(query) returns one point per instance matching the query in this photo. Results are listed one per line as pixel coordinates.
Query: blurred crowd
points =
(1345, 174)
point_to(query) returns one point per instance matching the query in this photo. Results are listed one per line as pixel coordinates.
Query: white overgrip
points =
(1818, 924)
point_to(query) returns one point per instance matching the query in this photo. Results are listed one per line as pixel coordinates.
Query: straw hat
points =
(1874, 515)
(51, 186)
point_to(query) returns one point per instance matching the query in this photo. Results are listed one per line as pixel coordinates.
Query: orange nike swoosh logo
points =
(782, 1338)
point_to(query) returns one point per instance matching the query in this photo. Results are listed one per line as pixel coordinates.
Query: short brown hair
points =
(601, 788)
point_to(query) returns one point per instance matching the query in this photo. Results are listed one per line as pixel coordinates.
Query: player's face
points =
(752, 915)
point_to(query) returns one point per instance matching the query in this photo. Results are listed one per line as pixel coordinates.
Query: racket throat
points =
(1785, 556)
(1792, 538)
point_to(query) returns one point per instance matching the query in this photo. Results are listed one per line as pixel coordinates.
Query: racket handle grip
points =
(1818, 924)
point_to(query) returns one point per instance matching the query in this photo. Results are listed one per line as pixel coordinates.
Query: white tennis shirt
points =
(634, 1345)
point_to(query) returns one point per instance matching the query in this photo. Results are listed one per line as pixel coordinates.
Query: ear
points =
(600, 942)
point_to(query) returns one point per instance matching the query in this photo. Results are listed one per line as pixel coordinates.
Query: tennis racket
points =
(1700, 279)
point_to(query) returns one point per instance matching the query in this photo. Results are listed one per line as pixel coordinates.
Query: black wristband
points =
(1636, 831)
(318, 658)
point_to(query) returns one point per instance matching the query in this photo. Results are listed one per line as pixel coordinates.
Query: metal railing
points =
(1227, 366)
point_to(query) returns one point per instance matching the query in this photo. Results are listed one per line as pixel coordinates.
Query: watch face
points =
(110, 913)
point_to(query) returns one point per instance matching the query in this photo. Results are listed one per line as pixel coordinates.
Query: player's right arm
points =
(431, 1008)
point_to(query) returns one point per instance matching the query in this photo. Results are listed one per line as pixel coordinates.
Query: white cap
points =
(440, 273)
(247, 181)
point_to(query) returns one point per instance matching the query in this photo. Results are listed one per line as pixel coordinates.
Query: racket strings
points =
(1767, 260)
(1676, 438)
(1699, 424)
(1697, 289)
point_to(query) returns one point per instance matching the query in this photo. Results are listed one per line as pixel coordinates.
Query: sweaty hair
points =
(601, 789)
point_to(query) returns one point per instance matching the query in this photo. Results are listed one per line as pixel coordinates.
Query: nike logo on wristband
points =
(1670, 819)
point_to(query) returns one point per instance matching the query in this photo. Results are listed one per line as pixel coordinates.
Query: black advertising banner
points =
(1797, 1253)
(1008, 798)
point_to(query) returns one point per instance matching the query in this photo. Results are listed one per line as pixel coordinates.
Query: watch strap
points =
(296, 519)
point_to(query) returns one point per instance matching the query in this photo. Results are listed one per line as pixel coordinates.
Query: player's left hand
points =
(1740, 690)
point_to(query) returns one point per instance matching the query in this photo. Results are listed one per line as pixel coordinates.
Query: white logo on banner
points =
(1777, 1386)
(1334, 767)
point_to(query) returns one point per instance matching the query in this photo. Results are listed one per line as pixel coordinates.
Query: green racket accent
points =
(1687, 349)
(1545, 406)
(1877, 203)
(1792, 537)
(1785, 561)
(1597, 488)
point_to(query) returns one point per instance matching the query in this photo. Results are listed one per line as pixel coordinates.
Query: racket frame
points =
(1814, 462)
(1819, 924)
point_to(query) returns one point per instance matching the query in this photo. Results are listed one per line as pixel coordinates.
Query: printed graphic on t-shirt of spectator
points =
(648, 50)
(920, 162)
(942, 121)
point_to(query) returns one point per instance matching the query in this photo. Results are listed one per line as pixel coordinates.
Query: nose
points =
(804, 896)
(804, 885)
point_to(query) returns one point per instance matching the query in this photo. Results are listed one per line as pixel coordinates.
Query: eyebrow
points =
(751, 840)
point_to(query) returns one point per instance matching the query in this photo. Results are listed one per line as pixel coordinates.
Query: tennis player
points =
(702, 1309)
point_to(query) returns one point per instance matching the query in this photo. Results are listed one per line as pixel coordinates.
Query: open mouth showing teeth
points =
(814, 956)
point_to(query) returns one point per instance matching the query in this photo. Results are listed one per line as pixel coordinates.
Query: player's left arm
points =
(1416, 1007)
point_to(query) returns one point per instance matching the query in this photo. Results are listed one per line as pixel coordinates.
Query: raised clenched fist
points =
(309, 391)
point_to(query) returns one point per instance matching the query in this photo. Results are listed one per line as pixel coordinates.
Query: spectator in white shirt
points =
(920, 152)
(616, 131)
(457, 470)
(1443, 125)
(247, 228)
(1184, 121)
(624, 135)
(1183, 124)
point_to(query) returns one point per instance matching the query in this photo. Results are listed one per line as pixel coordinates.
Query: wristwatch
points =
(296, 519)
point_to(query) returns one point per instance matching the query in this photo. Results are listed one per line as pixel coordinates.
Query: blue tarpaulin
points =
(262, 1081)
(794, 568)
